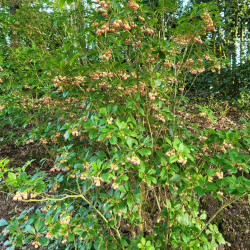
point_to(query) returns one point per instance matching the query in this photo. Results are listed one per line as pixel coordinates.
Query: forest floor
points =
(233, 222)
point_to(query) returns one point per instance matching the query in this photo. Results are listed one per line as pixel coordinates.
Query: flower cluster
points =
(117, 23)
(208, 21)
(127, 41)
(103, 29)
(96, 76)
(137, 44)
(141, 18)
(54, 188)
(182, 40)
(54, 169)
(202, 138)
(75, 133)
(219, 175)
(134, 159)
(228, 145)
(110, 120)
(149, 31)
(114, 167)
(97, 181)
(49, 235)
(152, 96)
(78, 80)
(103, 4)
(36, 244)
(220, 193)
(198, 39)
(66, 219)
(197, 70)
(115, 185)
(168, 64)
(169, 153)
(133, 5)
(124, 76)
(160, 117)
(182, 160)
(20, 196)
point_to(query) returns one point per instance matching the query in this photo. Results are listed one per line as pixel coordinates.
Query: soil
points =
(233, 222)
(18, 156)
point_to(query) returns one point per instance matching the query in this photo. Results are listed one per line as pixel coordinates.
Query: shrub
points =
(128, 171)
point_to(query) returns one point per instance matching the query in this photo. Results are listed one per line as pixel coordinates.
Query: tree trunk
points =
(241, 42)
(235, 33)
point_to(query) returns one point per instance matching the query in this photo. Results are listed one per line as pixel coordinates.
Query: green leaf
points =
(121, 125)
(94, 166)
(158, 82)
(143, 241)
(168, 141)
(77, 230)
(181, 147)
(11, 177)
(40, 188)
(93, 134)
(141, 111)
(164, 212)
(130, 203)
(129, 141)
(3, 222)
(144, 151)
(103, 111)
(203, 216)
(67, 134)
(113, 140)
(173, 158)
(32, 230)
(44, 241)
(20, 239)
(199, 191)
(211, 172)
(27, 239)
(140, 245)
(38, 225)
(124, 243)
(176, 177)
(61, 3)
(74, 58)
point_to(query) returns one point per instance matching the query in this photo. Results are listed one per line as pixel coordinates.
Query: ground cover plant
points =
(102, 89)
